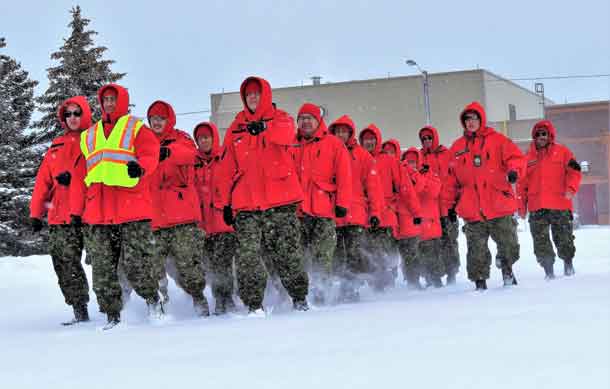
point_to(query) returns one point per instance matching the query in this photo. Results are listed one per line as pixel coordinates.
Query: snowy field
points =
(536, 335)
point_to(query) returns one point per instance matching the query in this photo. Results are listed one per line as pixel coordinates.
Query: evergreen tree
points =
(81, 71)
(19, 159)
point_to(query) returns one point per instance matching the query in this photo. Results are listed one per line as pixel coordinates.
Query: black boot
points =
(549, 272)
(200, 304)
(256, 310)
(412, 278)
(480, 285)
(223, 305)
(155, 309)
(114, 318)
(300, 305)
(568, 268)
(508, 277)
(80, 315)
(413, 282)
(437, 282)
(451, 279)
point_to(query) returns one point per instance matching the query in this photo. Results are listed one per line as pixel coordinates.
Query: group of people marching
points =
(307, 207)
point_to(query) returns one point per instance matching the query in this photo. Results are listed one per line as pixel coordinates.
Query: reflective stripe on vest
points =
(106, 159)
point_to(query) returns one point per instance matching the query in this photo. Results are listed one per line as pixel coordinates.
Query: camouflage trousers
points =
(350, 259)
(449, 249)
(503, 231)
(319, 238)
(183, 244)
(430, 259)
(382, 248)
(270, 237)
(220, 250)
(66, 248)
(408, 249)
(131, 246)
(560, 223)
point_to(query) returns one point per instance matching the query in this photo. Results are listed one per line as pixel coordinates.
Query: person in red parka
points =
(408, 210)
(176, 210)
(391, 147)
(435, 157)
(324, 169)
(221, 242)
(552, 179)
(262, 195)
(365, 209)
(51, 196)
(428, 187)
(381, 243)
(485, 166)
(120, 156)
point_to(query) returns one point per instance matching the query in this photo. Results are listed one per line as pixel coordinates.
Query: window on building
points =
(512, 112)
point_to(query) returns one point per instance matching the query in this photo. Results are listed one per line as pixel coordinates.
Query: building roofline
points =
(518, 86)
(380, 79)
(579, 104)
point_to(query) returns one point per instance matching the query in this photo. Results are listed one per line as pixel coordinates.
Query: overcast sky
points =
(181, 51)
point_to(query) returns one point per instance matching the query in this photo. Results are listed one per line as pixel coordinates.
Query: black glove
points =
(374, 221)
(444, 222)
(134, 170)
(424, 168)
(340, 211)
(417, 221)
(512, 176)
(64, 178)
(574, 165)
(164, 152)
(227, 215)
(76, 221)
(452, 215)
(36, 224)
(255, 128)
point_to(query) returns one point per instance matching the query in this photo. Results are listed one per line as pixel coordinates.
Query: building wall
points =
(499, 93)
(518, 130)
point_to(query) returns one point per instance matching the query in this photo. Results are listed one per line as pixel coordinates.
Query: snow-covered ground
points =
(536, 335)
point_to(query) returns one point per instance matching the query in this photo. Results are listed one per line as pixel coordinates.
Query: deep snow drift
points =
(536, 335)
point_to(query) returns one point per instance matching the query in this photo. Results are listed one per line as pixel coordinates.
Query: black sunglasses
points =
(426, 137)
(541, 133)
(471, 117)
(67, 114)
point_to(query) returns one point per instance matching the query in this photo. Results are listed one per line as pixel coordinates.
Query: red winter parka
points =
(260, 166)
(428, 188)
(482, 192)
(325, 173)
(48, 196)
(389, 174)
(367, 197)
(552, 172)
(114, 204)
(437, 158)
(207, 179)
(172, 186)
(406, 196)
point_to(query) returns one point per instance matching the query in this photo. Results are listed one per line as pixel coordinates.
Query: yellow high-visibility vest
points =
(107, 158)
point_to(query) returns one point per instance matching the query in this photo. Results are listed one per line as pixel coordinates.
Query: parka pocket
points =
(323, 197)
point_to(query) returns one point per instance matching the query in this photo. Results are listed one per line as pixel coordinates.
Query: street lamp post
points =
(426, 80)
(539, 88)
